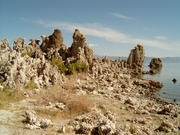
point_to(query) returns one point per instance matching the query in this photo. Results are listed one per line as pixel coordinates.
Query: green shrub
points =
(77, 67)
(6, 87)
(132, 129)
(1, 80)
(28, 53)
(31, 85)
(59, 64)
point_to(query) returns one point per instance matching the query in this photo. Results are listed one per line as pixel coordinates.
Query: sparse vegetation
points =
(31, 85)
(75, 105)
(28, 53)
(6, 87)
(1, 80)
(7, 96)
(59, 64)
(76, 67)
(78, 105)
(132, 129)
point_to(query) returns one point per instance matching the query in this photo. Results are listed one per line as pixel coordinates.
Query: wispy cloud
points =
(161, 37)
(149, 29)
(109, 34)
(22, 18)
(121, 16)
(93, 45)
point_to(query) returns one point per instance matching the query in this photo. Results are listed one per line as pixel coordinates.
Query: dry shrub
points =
(81, 75)
(53, 94)
(17, 95)
(10, 96)
(69, 86)
(47, 113)
(78, 105)
(75, 105)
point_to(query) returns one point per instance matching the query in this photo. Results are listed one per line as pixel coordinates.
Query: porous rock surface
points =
(106, 79)
(30, 62)
(79, 48)
(136, 58)
(156, 63)
(33, 122)
(26, 63)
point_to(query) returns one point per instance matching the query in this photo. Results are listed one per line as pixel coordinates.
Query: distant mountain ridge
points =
(147, 59)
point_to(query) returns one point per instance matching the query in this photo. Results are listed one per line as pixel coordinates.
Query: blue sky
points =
(112, 28)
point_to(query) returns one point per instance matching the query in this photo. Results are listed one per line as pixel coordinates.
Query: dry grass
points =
(75, 105)
(81, 75)
(10, 96)
(69, 86)
(53, 94)
(78, 105)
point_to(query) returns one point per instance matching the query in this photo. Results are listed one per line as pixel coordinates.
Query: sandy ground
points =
(11, 119)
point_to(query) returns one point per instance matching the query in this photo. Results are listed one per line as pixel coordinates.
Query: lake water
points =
(171, 90)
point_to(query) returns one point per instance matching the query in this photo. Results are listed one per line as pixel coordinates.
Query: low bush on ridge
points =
(31, 85)
(75, 67)
(59, 64)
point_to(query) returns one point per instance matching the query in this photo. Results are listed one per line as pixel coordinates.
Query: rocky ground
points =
(114, 108)
(50, 89)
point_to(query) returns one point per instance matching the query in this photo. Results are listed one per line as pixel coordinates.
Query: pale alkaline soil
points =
(11, 119)
(133, 112)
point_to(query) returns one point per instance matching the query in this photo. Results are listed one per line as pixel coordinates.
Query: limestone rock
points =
(53, 46)
(79, 48)
(60, 105)
(104, 129)
(136, 58)
(30, 116)
(94, 123)
(32, 50)
(165, 127)
(24, 69)
(19, 44)
(33, 122)
(53, 41)
(156, 63)
(4, 46)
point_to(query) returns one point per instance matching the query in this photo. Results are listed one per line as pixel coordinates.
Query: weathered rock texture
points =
(93, 123)
(26, 63)
(54, 41)
(136, 58)
(79, 49)
(30, 62)
(33, 122)
(53, 45)
(107, 80)
(156, 63)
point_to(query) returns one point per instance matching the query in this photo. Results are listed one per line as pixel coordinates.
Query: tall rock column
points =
(79, 48)
(53, 45)
(136, 58)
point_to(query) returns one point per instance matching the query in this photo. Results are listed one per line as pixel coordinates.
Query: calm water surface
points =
(166, 75)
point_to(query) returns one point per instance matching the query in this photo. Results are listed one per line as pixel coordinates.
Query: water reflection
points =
(171, 90)
(153, 71)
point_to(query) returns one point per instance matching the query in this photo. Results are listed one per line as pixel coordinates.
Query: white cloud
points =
(160, 37)
(149, 29)
(93, 45)
(121, 16)
(23, 19)
(109, 34)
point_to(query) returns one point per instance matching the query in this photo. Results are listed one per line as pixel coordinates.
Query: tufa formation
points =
(27, 63)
